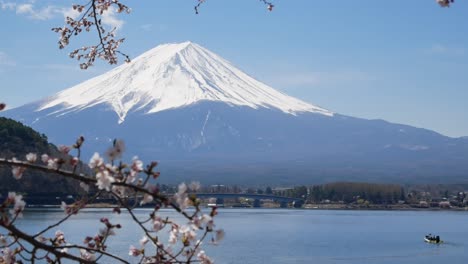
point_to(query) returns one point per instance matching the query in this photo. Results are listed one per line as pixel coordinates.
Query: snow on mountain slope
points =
(172, 76)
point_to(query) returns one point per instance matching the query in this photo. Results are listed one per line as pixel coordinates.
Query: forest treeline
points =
(347, 192)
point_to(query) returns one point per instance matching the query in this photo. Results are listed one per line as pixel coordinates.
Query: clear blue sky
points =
(404, 61)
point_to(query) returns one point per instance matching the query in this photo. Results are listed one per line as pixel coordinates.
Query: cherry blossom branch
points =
(107, 48)
(88, 180)
(20, 234)
(118, 182)
(142, 227)
(71, 212)
(95, 251)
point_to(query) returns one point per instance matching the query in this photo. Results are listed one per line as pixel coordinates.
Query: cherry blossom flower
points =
(137, 165)
(11, 197)
(121, 191)
(64, 149)
(69, 209)
(17, 171)
(147, 198)
(112, 168)
(86, 255)
(74, 161)
(96, 161)
(8, 256)
(42, 239)
(84, 186)
(195, 186)
(116, 151)
(173, 235)
(219, 235)
(144, 240)
(204, 259)
(19, 204)
(135, 168)
(64, 207)
(182, 188)
(3, 240)
(188, 234)
(208, 221)
(134, 251)
(104, 180)
(106, 231)
(181, 196)
(52, 163)
(196, 223)
(59, 237)
(158, 223)
(31, 157)
(45, 158)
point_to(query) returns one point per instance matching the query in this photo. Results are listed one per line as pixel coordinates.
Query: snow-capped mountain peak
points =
(172, 76)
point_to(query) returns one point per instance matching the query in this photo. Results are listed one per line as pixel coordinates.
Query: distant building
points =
(423, 204)
(444, 204)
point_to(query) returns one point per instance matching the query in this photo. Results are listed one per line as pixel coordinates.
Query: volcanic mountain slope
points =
(206, 119)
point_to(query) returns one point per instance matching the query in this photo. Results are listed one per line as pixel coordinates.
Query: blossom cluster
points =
(445, 3)
(16, 204)
(89, 18)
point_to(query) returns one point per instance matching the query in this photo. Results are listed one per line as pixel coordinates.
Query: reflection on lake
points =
(298, 236)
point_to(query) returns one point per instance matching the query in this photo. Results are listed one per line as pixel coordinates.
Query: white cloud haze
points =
(5, 60)
(32, 11)
(447, 50)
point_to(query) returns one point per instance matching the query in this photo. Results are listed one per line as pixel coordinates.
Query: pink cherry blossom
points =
(158, 223)
(144, 240)
(86, 255)
(134, 251)
(147, 198)
(104, 180)
(96, 161)
(31, 157)
(44, 158)
(64, 149)
(52, 163)
(17, 171)
(204, 259)
(3, 240)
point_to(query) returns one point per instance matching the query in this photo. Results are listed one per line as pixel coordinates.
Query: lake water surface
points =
(299, 236)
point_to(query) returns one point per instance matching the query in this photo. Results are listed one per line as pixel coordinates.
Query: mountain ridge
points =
(229, 139)
(171, 76)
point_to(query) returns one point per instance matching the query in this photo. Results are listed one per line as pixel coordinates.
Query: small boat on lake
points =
(433, 240)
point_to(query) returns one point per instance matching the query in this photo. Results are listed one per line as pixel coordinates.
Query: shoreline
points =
(336, 207)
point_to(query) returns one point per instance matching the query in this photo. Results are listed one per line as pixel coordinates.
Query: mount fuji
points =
(205, 119)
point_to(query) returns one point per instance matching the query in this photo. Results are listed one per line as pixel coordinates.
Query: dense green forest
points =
(354, 191)
(17, 140)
